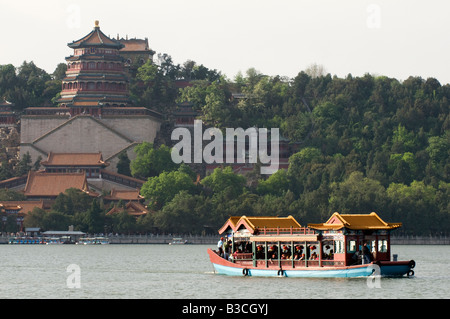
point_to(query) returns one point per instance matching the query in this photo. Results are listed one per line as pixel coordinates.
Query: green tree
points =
(123, 166)
(403, 167)
(8, 80)
(56, 221)
(225, 180)
(154, 85)
(403, 140)
(277, 184)
(416, 207)
(160, 189)
(357, 194)
(11, 195)
(72, 201)
(124, 222)
(151, 161)
(6, 170)
(185, 213)
(35, 218)
(24, 165)
(305, 167)
(94, 218)
(439, 149)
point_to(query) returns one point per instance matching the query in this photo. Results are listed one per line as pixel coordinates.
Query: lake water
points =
(184, 272)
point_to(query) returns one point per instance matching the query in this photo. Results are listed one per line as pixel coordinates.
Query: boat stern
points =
(396, 268)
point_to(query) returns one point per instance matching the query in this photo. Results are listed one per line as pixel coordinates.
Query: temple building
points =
(94, 113)
(84, 171)
(90, 163)
(47, 186)
(95, 75)
(7, 116)
(136, 52)
(18, 210)
(135, 209)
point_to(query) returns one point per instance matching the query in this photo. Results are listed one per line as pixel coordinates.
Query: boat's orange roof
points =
(355, 222)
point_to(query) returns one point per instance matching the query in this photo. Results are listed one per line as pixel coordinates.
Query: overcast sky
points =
(396, 38)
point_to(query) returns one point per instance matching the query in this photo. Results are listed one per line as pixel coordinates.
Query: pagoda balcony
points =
(93, 91)
(52, 111)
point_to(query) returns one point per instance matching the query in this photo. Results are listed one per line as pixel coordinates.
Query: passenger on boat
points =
(234, 256)
(226, 248)
(367, 255)
(286, 251)
(328, 255)
(259, 252)
(272, 253)
(357, 256)
(220, 246)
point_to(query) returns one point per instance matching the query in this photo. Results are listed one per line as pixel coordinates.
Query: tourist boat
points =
(93, 241)
(102, 240)
(54, 241)
(26, 241)
(178, 241)
(347, 245)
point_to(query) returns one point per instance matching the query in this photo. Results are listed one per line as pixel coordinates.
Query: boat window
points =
(372, 247)
(351, 246)
(338, 246)
(382, 245)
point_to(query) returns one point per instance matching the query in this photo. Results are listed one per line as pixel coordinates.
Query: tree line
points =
(360, 144)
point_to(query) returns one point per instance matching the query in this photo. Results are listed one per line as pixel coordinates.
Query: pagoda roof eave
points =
(96, 38)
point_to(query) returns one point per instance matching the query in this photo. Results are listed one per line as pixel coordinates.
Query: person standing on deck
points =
(366, 254)
(220, 246)
(226, 248)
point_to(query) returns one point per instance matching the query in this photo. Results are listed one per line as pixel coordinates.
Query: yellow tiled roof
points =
(25, 206)
(355, 222)
(52, 184)
(125, 194)
(271, 222)
(259, 222)
(132, 208)
(74, 159)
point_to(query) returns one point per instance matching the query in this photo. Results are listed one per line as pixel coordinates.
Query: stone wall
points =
(111, 135)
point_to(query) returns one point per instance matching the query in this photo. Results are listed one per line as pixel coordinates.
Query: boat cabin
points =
(282, 242)
(351, 233)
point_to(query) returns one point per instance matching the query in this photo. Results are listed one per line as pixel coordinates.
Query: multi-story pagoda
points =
(95, 114)
(95, 76)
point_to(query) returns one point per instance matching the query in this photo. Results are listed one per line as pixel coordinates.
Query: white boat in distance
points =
(93, 241)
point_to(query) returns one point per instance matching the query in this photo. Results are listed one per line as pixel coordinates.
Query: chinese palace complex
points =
(79, 141)
(94, 113)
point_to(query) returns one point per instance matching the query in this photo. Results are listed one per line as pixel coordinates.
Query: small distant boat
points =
(350, 245)
(26, 241)
(178, 241)
(102, 241)
(93, 241)
(54, 241)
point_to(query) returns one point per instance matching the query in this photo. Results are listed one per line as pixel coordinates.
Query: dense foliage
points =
(361, 144)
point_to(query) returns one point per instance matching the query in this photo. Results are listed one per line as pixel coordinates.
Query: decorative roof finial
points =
(97, 24)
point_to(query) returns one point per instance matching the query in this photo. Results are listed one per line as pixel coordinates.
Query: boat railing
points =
(286, 231)
(298, 263)
(243, 256)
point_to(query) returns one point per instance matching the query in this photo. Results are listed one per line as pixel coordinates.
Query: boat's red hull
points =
(223, 266)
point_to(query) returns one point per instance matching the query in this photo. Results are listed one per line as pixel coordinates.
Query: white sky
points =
(396, 38)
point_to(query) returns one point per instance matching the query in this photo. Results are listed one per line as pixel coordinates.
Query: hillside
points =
(363, 144)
